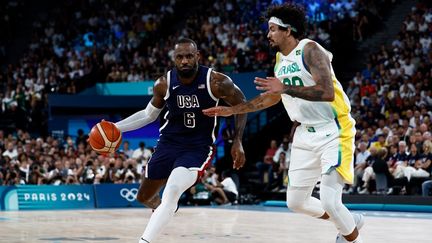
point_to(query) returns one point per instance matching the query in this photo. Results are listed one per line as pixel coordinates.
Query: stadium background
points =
(65, 65)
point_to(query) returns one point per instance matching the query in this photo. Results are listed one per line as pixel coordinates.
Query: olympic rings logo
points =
(129, 195)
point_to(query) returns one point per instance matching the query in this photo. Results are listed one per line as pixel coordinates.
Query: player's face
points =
(186, 57)
(276, 36)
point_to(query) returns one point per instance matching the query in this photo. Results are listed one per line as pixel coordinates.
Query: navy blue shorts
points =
(168, 157)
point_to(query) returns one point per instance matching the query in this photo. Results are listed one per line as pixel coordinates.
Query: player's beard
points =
(274, 47)
(187, 72)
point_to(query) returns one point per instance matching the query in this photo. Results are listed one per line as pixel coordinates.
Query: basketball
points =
(105, 137)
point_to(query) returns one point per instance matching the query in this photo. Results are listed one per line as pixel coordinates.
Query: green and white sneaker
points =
(359, 221)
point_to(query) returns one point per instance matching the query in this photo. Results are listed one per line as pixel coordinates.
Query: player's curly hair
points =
(291, 14)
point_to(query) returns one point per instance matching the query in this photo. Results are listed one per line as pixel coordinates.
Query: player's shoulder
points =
(308, 44)
(315, 50)
(311, 45)
(221, 84)
(161, 85)
(162, 80)
(218, 77)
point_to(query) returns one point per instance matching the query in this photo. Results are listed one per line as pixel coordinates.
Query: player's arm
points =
(319, 66)
(258, 103)
(223, 88)
(150, 113)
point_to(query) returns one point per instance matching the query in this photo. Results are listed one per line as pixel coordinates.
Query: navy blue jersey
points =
(185, 124)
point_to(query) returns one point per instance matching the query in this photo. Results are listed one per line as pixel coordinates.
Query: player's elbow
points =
(329, 97)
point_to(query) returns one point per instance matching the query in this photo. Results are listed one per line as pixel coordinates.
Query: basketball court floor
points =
(230, 224)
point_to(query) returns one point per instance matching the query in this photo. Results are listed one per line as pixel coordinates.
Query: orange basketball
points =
(105, 137)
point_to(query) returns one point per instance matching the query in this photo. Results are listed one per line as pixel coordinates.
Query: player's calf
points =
(359, 221)
(150, 202)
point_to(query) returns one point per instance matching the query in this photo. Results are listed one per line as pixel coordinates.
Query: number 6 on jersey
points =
(189, 119)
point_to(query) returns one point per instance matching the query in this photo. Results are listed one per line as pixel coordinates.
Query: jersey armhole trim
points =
(277, 62)
(167, 94)
(165, 124)
(209, 71)
(304, 63)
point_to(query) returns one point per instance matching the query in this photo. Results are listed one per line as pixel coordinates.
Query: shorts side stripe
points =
(206, 163)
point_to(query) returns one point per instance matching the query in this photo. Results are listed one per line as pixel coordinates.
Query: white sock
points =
(179, 181)
(331, 200)
(143, 241)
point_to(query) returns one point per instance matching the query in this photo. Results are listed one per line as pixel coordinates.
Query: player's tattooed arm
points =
(258, 103)
(319, 66)
(224, 88)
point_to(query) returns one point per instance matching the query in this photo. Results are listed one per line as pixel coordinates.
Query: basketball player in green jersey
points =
(323, 143)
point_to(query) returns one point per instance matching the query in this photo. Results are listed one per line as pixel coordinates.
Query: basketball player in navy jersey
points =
(185, 146)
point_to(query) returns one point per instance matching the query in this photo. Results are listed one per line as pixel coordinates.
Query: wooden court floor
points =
(203, 224)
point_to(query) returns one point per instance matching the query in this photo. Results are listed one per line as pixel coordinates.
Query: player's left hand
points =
(270, 85)
(238, 155)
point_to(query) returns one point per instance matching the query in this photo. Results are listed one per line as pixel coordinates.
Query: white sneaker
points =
(359, 221)
(142, 241)
(339, 239)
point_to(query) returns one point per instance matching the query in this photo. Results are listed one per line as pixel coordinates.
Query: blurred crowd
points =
(392, 104)
(26, 160)
(37, 160)
(75, 44)
(214, 189)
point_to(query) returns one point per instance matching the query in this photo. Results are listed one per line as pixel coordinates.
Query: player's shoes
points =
(143, 241)
(174, 211)
(359, 221)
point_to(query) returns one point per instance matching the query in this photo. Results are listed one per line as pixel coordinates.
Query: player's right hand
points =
(270, 85)
(218, 111)
(238, 155)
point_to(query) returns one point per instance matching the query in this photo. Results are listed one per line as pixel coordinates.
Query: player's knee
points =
(172, 191)
(295, 205)
(329, 206)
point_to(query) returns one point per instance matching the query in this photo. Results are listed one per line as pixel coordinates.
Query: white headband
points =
(278, 21)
